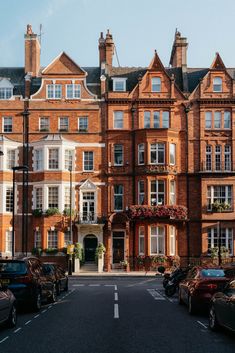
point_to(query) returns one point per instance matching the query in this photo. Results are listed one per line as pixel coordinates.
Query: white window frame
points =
(141, 193)
(83, 161)
(38, 198)
(85, 129)
(157, 148)
(38, 162)
(227, 158)
(54, 86)
(172, 246)
(158, 236)
(11, 199)
(118, 195)
(4, 119)
(213, 238)
(68, 158)
(58, 196)
(208, 120)
(4, 93)
(8, 241)
(44, 127)
(211, 198)
(172, 154)
(156, 84)
(157, 194)
(217, 84)
(208, 165)
(9, 151)
(58, 160)
(37, 239)
(141, 238)
(54, 240)
(156, 119)
(218, 158)
(76, 88)
(172, 192)
(118, 80)
(122, 154)
(141, 150)
(118, 117)
(66, 126)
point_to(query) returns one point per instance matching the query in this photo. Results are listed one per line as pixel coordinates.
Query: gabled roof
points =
(88, 185)
(156, 63)
(63, 65)
(217, 63)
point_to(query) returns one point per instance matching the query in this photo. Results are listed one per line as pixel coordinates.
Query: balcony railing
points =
(174, 212)
(90, 218)
(216, 167)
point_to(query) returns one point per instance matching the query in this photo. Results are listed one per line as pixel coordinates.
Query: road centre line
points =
(115, 296)
(4, 339)
(18, 329)
(28, 322)
(94, 285)
(78, 285)
(116, 311)
(201, 323)
(44, 311)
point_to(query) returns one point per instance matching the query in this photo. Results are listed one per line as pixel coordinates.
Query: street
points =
(114, 315)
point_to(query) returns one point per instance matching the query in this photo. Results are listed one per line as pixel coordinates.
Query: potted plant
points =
(99, 256)
(52, 211)
(124, 264)
(36, 251)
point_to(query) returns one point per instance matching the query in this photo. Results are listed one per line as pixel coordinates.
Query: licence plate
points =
(5, 281)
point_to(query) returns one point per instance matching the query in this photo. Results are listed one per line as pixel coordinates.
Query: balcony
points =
(90, 218)
(213, 167)
(173, 212)
(156, 169)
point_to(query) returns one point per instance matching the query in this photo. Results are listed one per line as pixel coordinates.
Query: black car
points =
(28, 282)
(222, 308)
(8, 312)
(58, 276)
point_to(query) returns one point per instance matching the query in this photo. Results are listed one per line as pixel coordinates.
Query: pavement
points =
(134, 274)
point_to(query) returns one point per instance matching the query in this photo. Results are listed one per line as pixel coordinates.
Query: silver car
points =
(8, 312)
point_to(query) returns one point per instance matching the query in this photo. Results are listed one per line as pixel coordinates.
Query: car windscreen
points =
(212, 273)
(13, 267)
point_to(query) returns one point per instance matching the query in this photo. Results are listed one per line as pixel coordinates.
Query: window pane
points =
(118, 197)
(38, 201)
(217, 84)
(83, 124)
(146, 120)
(141, 153)
(68, 159)
(53, 197)
(9, 199)
(156, 119)
(52, 239)
(11, 157)
(44, 124)
(227, 120)
(172, 153)
(7, 124)
(118, 154)
(53, 158)
(118, 120)
(119, 85)
(156, 84)
(64, 123)
(217, 120)
(208, 120)
(165, 119)
(88, 158)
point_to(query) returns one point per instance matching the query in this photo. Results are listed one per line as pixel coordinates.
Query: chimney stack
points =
(32, 52)
(179, 51)
(106, 49)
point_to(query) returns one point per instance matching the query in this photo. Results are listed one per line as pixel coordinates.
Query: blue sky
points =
(138, 27)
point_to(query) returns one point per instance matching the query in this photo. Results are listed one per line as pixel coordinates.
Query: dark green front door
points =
(90, 245)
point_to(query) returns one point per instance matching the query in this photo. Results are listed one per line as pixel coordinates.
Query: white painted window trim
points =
(84, 170)
(119, 79)
(172, 238)
(143, 237)
(73, 84)
(157, 236)
(53, 84)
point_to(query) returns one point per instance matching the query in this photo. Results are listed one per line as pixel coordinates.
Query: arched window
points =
(217, 84)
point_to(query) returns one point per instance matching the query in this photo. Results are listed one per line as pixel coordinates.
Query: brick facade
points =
(163, 147)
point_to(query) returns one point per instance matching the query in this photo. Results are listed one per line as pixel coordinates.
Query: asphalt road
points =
(114, 315)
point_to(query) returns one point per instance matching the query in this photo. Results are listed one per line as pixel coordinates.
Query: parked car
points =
(28, 282)
(199, 286)
(8, 312)
(58, 276)
(222, 308)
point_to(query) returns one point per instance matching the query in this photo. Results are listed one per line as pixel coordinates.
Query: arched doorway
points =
(90, 245)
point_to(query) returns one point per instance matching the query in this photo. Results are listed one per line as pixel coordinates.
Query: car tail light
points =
(22, 279)
(207, 286)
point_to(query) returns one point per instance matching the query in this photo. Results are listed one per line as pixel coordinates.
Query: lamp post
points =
(23, 168)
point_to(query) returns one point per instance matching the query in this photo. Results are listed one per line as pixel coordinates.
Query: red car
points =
(199, 286)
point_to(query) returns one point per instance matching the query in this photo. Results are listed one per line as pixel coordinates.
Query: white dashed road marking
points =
(17, 330)
(115, 296)
(78, 285)
(201, 323)
(155, 294)
(4, 339)
(116, 311)
(94, 285)
(28, 322)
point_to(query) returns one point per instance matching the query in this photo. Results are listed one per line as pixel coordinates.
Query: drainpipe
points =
(187, 110)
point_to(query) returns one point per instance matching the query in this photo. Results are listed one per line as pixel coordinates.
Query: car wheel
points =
(191, 306)
(37, 302)
(53, 297)
(213, 323)
(12, 319)
(180, 301)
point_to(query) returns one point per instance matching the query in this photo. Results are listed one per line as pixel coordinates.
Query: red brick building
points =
(145, 153)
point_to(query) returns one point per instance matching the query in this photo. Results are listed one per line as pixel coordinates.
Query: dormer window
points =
(119, 84)
(73, 91)
(156, 84)
(54, 91)
(6, 93)
(6, 88)
(217, 84)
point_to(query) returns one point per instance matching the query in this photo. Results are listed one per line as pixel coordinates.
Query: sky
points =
(138, 28)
